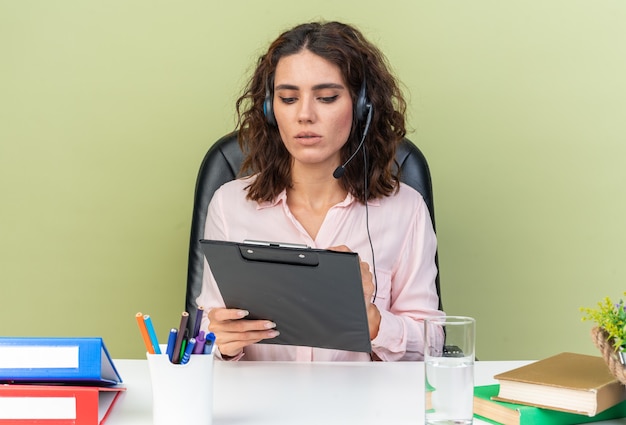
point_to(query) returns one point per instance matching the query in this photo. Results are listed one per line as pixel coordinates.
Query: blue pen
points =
(171, 341)
(210, 341)
(190, 344)
(200, 340)
(153, 338)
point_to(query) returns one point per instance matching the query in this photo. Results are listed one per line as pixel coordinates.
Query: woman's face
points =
(313, 110)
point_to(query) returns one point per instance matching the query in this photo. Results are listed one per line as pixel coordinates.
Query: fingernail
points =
(270, 325)
(273, 334)
(243, 313)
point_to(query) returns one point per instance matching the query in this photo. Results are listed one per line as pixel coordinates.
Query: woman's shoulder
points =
(237, 184)
(405, 195)
(234, 189)
(406, 202)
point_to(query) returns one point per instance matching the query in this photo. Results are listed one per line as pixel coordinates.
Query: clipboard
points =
(314, 296)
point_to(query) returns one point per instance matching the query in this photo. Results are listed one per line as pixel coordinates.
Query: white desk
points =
(276, 393)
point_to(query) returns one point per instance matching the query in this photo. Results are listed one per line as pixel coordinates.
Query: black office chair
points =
(221, 164)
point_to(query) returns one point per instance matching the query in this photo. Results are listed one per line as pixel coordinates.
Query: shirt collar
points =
(282, 198)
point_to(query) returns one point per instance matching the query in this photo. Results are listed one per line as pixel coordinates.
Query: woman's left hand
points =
(373, 315)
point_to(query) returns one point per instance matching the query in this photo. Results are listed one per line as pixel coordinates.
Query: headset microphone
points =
(338, 173)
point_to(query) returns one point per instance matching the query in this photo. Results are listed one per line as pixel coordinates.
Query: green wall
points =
(107, 107)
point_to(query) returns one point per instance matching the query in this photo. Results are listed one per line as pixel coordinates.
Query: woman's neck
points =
(315, 196)
(311, 196)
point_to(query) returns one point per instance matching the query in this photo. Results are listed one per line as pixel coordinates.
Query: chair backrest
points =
(222, 163)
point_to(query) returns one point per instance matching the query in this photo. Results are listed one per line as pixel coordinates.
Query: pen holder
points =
(181, 393)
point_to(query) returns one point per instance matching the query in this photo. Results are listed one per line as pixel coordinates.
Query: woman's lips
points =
(308, 137)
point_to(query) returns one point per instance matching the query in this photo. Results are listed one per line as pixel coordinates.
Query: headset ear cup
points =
(268, 108)
(362, 104)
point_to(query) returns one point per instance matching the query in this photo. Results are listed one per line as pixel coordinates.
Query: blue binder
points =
(67, 360)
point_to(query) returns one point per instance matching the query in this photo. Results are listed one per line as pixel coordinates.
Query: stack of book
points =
(56, 380)
(564, 389)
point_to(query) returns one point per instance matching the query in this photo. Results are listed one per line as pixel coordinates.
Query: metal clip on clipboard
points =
(268, 252)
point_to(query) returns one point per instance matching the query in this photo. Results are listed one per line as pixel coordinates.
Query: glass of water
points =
(449, 369)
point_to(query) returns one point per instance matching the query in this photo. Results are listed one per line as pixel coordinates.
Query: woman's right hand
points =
(232, 333)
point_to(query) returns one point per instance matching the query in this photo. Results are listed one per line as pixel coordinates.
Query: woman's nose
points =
(306, 111)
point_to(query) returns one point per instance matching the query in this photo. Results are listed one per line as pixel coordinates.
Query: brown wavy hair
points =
(358, 60)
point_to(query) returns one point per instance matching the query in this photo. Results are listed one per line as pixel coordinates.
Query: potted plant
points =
(609, 334)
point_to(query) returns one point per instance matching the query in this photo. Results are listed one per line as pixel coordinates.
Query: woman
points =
(321, 95)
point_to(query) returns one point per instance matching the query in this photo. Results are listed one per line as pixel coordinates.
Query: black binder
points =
(314, 296)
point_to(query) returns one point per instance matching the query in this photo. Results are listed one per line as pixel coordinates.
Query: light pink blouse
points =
(404, 248)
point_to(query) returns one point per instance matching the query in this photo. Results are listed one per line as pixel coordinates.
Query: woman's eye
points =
(288, 100)
(328, 99)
